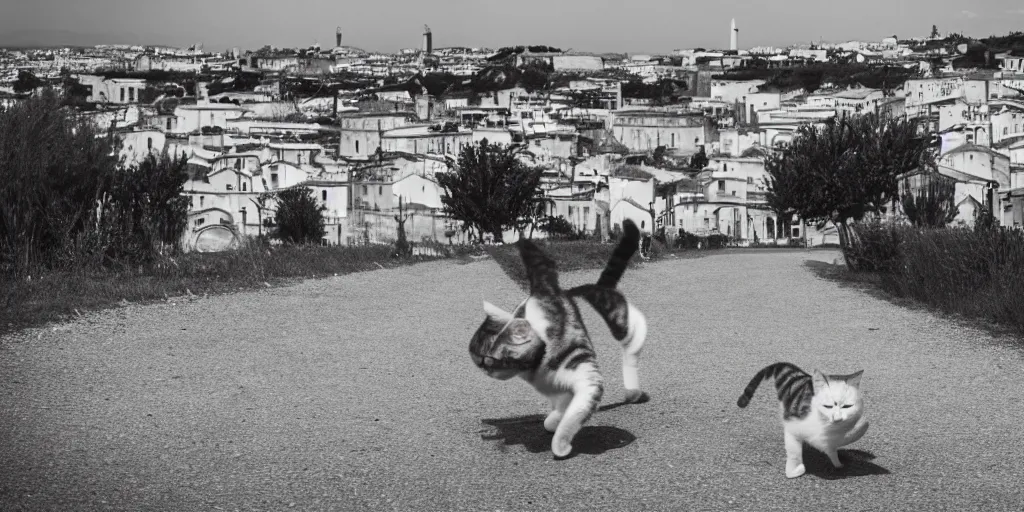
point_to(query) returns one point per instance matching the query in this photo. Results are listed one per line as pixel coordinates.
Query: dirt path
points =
(356, 393)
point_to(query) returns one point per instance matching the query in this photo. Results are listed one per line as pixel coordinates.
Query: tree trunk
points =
(846, 244)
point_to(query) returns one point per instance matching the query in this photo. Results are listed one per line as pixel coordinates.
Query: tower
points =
(337, 37)
(428, 40)
(734, 35)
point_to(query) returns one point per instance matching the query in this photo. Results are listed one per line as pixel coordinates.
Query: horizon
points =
(599, 26)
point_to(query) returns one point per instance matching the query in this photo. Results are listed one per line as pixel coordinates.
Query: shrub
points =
(299, 217)
(977, 273)
(718, 241)
(686, 240)
(66, 202)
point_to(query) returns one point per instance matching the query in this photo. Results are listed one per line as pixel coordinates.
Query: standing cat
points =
(825, 411)
(545, 342)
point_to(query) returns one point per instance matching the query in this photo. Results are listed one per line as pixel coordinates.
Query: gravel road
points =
(357, 393)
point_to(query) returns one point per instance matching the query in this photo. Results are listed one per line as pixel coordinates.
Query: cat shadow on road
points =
(855, 463)
(529, 432)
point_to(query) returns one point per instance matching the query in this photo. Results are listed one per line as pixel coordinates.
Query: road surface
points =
(357, 393)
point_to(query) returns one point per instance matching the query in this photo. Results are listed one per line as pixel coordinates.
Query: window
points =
(229, 187)
(750, 181)
(243, 186)
(149, 143)
(273, 179)
(1006, 129)
(721, 185)
(380, 190)
(200, 221)
(323, 194)
(168, 123)
(122, 95)
(357, 146)
(673, 139)
(725, 167)
(734, 193)
(365, 191)
(201, 201)
(131, 94)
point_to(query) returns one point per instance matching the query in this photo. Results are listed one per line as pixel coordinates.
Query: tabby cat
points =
(545, 342)
(825, 411)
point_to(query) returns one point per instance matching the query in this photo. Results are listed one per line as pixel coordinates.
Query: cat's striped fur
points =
(555, 355)
(824, 411)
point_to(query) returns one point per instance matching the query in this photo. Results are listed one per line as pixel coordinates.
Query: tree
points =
(932, 206)
(145, 209)
(935, 32)
(402, 247)
(489, 189)
(299, 216)
(699, 160)
(26, 82)
(843, 171)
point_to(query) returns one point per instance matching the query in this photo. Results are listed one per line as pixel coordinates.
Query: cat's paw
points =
(635, 396)
(795, 472)
(551, 422)
(560, 449)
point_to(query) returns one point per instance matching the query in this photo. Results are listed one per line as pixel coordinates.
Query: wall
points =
(734, 91)
(577, 62)
(646, 132)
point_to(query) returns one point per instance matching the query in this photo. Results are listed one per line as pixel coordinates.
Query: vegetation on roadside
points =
(977, 273)
(844, 172)
(81, 230)
(491, 190)
(56, 295)
(68, 203)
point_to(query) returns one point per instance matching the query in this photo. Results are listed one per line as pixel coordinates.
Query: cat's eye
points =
(847, 406)
(828, 406)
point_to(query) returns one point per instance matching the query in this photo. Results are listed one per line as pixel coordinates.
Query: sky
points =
(634, 26)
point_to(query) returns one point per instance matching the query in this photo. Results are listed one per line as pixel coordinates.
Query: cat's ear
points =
(853, 380)
(819, 379)
(497, 314)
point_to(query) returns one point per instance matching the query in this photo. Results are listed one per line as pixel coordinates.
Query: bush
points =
(686, 240)
(299, 217)
(66, 202)
(718, 241)
(976, 273)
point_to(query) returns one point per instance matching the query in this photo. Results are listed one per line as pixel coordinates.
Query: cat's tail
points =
(627, 324)
(541, 270)
(620, 257)
(785, 375)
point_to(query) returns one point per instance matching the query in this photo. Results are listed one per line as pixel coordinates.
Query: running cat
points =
(825, 411)
(545, 342)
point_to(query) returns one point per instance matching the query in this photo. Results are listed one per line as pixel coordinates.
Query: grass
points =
(970, 274)
(56, 296)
